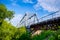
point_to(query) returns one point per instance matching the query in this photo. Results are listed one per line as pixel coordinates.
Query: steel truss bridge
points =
(50, 21)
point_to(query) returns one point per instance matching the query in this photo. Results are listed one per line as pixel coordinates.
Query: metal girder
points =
(23, 19)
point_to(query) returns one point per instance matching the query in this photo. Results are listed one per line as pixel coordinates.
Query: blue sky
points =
(41, 7)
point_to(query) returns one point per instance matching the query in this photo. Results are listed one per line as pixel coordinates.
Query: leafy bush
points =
(25, 36)
(45, 35)
(6, 31)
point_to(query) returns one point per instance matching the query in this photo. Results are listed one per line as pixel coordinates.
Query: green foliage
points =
(59, 37)
(47, 35)
(25, 36)
(43, 35)
(6, 31)
(20, 31)
(5, 13)
(59, 27)
(51, 38)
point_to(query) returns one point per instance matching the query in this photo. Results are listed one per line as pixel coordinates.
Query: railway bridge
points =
(32, 23)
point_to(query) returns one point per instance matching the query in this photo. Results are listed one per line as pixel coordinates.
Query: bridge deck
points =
(47, 23)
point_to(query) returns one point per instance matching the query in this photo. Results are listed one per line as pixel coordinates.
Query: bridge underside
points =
(46, 25)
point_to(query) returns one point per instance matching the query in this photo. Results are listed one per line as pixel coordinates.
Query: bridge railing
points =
(50, 16)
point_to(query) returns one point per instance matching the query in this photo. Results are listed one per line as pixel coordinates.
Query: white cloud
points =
(50, 5)
(37, 6)
(16, 19)
(28, 1)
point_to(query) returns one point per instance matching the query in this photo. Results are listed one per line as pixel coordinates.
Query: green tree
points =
(7, 31)
(5, 13)
(19, 32)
